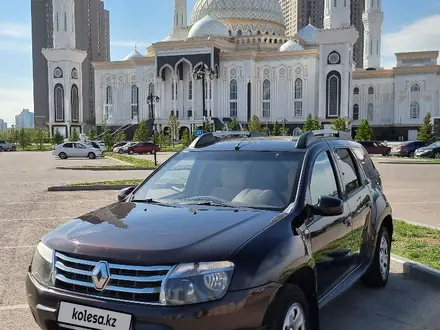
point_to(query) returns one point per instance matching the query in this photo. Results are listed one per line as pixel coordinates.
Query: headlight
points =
(42, 264)
(196, 283)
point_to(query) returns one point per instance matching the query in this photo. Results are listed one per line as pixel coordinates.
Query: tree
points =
(315, 124)
(339, 124)
(255, 124)
(276, 129)
(186, 138)
(425, 131)
(92, 134)
(25, 137)
(142, 133)
(363, 132)
(74, 137)
(40, 136)
(207, 126)
(57, 137)
(284, 130)
(13, 135)
(120, 136)
(233, 125)
(308, 124)
(174, 124)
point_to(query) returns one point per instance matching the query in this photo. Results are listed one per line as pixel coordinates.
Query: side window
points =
(68, 145)
(350, 178)
(79, 146)
(323, 181)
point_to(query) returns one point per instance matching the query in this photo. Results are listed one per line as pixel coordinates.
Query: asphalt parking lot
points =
(28, 211)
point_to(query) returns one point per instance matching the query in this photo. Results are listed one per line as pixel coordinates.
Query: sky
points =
(408, 26)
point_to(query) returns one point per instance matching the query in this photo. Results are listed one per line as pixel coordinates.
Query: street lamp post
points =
(152, 99)
(202, 74)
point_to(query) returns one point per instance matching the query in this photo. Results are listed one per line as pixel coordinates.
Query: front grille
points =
(139, 284)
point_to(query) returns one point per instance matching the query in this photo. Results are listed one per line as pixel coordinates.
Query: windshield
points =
(434, 145)
(227, 178)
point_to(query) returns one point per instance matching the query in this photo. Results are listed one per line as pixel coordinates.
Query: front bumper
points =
(427, 154)
(240, 310)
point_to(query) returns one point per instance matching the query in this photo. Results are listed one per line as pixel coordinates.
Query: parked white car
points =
(96, 144)
(76, 149)
(123, 149)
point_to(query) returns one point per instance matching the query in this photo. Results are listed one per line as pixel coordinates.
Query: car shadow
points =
(403, 304)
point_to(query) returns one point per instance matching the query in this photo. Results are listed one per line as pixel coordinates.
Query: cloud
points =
(420, 35)
(15, 46)
(13, 101)
(15, 30)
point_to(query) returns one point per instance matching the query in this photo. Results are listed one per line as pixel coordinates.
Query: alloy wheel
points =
(295, 318)
(384, 257)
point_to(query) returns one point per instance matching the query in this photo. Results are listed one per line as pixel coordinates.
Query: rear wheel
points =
(153, 152)
(131, 152)
(379, 270)
(14, 148)
(91, 155)
(120, 151)
(62, 155)
(291, 310)
(411, 154)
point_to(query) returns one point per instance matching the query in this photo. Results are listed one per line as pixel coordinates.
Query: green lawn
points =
(107, 183)
(176, 148)
(417, 243)
(34, 147)
(132, 160)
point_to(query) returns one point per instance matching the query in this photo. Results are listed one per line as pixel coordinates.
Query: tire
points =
(437, 155)
(131, 152)
(153, 152)
(91, 155)
(411, 154)
(290, 300)
(120, 151)
(62, 155)
(1, 149)
(14, 148)
(378, 273)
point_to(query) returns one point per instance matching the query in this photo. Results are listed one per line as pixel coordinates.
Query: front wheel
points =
(437, 155)
(14, 148)
(131, 152)
(291, 310)
(379, 270)
(91, 155)
(62, 155)
(120, 151)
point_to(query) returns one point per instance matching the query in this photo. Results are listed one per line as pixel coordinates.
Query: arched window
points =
(230, 32)
(151, 89)
(355, 112)
(415, 87)
(258, 33)
(233, 97)
(356, 91)
(370, 112)
(190, 90)
(266, 98)
(134, 101)
(74, 100)
(414, 110)
(109, 103)
(59, 103)
(371, 90)
(333, 94)
(298, 103)
(239, 33)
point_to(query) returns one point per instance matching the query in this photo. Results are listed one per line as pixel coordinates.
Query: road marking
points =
(13, 307)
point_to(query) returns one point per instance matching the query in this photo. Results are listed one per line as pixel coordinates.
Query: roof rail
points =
(213, 137)
(308, 138)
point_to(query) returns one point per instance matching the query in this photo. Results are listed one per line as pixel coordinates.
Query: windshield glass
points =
(434, 145)
(227, 178)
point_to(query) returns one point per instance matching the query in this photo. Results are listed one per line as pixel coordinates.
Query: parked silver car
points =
(76, 149)
(6, 146)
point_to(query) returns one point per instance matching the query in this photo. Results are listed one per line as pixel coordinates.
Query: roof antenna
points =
(238, 145)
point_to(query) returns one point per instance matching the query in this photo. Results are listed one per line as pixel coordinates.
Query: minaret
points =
(337, 14)
(180, 15)
(64, 63)
(372, 19)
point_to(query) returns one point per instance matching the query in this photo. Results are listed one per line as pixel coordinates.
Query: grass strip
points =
(137, 162)
(175, 148)
(417, 243)
(133, 182)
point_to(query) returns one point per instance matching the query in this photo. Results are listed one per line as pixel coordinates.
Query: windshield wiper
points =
(212, 203)
(149, 201)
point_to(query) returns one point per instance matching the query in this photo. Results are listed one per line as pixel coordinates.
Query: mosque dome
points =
(308, 34)
(265, 10)
(290, 46)
(208, 27)
(134, 54)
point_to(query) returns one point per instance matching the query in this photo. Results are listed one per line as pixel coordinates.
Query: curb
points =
(416, 271)
(106, 168)
(119, 161)
(89, 188)
(408, 163)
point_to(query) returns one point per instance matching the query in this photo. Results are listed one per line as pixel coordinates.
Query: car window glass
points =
(347, 167)
(323, 181)
(79, 146)
(366, 161)
(68, 145)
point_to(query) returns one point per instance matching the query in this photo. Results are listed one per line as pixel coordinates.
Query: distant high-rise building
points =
(92, 34)
(3, 125)
(299, 13)
(25, 119)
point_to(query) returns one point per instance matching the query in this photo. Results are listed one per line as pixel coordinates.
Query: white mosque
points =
(233, 60)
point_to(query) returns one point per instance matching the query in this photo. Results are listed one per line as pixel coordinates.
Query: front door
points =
(331, 237)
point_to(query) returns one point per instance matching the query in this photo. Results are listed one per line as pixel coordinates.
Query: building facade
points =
(236, 62)
(92, 35)
(3, 125)
(25, 119)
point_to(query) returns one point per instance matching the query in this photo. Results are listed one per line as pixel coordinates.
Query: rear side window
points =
(367, 163)
(350, 178)
(323, 181)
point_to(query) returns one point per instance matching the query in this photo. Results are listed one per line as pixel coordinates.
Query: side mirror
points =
(123, 193)
(328, 206)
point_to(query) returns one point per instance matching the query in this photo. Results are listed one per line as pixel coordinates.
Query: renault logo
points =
(101, 275)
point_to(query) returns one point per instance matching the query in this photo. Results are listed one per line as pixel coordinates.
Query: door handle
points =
(348, 221)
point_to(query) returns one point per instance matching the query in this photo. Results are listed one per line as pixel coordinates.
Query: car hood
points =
(425, 149)
(159, 234)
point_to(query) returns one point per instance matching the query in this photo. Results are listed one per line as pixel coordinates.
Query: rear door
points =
(81, 150)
